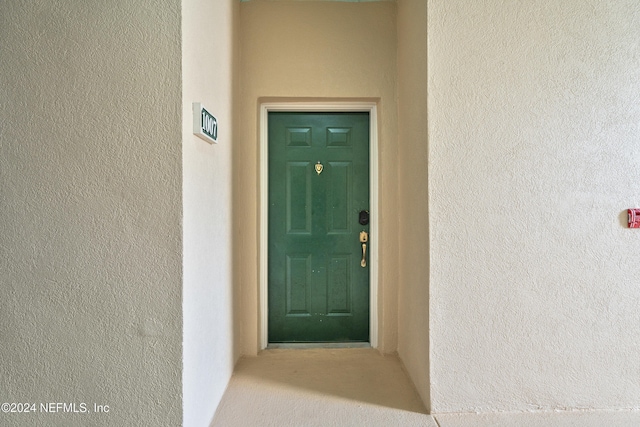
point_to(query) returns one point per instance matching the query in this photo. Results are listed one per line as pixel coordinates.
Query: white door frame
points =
(371, 108)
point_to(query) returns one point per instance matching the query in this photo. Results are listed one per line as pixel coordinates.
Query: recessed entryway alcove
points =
(338, 56)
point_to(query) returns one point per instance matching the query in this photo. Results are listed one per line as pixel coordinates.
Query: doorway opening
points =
(300, 261)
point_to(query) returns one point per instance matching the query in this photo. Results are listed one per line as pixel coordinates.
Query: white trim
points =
(371, 108)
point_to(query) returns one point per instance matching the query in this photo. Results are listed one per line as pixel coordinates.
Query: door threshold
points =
(290, 345)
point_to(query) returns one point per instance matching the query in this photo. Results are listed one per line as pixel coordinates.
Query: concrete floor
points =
(358, 387)
(321, 387)
(542, 419)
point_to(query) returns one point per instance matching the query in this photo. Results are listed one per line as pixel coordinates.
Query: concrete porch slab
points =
(321, 387)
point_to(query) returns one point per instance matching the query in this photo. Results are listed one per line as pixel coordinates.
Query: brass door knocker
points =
(319, 168)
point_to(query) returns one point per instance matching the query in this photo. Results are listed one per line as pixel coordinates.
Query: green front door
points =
(318, 187)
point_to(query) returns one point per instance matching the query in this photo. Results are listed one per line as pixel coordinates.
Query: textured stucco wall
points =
(90, 252)
(208, 31)
(534, 124)
(315, 50)
(413, 299)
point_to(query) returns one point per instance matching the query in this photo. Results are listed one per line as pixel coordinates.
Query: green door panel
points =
(318, 291)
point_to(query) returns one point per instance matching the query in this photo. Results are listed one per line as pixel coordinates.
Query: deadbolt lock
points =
(363, 217)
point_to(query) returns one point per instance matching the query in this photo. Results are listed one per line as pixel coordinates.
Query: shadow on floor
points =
(362, 375)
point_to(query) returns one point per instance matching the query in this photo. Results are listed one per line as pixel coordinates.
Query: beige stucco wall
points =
(90, 236)
(413, 298)
(534, 156)
(315, 50)
(208, 44)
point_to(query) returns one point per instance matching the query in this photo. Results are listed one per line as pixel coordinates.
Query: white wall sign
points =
(205, 125)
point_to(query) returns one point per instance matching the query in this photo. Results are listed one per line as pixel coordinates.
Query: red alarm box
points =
(634, 218)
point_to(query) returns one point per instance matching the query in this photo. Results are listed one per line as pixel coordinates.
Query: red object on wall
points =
(634, 218)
